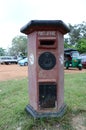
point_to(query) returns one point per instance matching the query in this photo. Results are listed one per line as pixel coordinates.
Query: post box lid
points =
(45, 25)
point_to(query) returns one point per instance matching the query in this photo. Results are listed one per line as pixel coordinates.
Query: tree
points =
(2, 52)
(76, 33)
(81, 45)
(19, 45)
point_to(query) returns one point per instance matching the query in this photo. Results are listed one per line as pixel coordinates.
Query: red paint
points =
(36, 74)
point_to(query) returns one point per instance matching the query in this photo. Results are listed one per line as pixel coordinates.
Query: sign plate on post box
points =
(46, 67)
(47, 60)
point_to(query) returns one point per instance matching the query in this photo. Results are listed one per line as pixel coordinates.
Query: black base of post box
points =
(30, 110)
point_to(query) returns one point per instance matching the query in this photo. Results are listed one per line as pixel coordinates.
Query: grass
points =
(14, 98)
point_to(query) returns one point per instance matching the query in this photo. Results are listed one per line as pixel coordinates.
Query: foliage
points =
(81, 45)
(66, 45)
(77, 37)
(19, 46)
(77, 32)
(2, 52)
(74, 34)
(14, 98)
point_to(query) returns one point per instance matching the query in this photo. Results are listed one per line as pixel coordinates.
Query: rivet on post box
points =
(46, 67)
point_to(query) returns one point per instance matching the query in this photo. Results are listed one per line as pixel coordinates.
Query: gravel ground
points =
(8, 72)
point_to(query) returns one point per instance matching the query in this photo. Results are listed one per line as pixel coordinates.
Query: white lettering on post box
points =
(61, 59)
(31, 59)
(47, 33)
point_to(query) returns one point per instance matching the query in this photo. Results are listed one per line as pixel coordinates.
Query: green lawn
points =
(14, 98)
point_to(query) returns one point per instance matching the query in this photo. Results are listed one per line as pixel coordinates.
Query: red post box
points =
(46, 67)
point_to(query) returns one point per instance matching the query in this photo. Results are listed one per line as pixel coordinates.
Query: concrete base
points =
(29, 109)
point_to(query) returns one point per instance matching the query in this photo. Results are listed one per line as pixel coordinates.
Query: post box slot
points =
(47, 95)
(47, 42)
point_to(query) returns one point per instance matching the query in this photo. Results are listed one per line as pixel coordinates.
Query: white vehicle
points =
(8, 60)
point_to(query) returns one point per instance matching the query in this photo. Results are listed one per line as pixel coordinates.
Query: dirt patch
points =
(74, 70)
(8, 72)
(78, 122)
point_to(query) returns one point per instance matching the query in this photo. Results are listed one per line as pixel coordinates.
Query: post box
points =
(45, 67)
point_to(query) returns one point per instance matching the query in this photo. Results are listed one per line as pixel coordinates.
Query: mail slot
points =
(46, 67)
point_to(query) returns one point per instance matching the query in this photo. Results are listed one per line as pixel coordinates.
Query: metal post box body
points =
(46, 67)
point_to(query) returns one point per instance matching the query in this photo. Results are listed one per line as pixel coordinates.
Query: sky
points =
(16, 13)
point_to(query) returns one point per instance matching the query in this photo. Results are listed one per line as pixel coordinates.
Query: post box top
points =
(45, 25)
